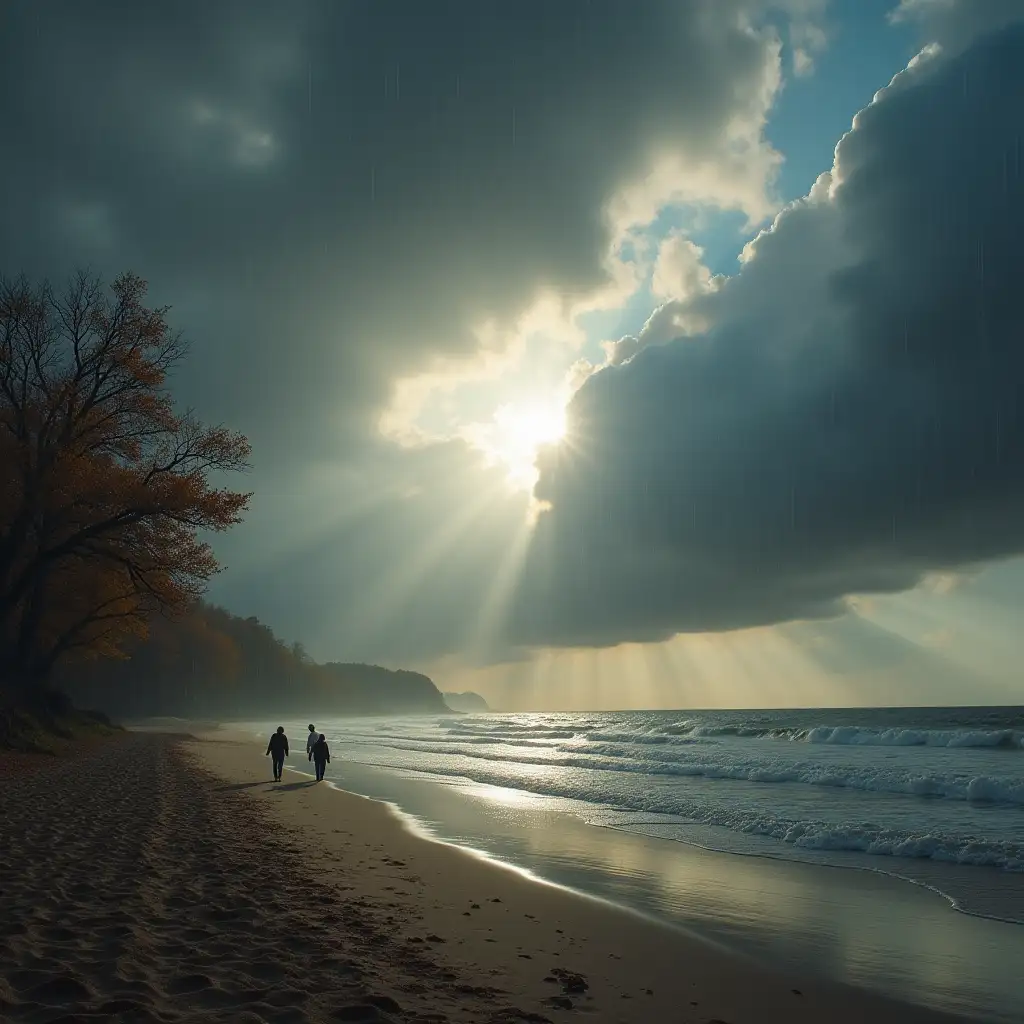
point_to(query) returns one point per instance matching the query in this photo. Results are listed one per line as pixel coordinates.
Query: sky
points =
(594, 355)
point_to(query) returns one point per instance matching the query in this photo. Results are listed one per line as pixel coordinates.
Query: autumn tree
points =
(106, 490)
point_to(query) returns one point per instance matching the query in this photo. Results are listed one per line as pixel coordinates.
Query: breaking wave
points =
(611, 758)
(494, 730)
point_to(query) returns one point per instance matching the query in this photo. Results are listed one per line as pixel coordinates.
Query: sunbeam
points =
(483, 640)
(399, 581)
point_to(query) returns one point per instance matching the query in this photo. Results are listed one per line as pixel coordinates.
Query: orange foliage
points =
(104, 486)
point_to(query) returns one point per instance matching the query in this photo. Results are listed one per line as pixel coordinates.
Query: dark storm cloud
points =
(853, 419)
(954, 24)
(330, 194)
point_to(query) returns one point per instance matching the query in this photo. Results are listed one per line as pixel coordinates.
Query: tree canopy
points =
(106, 490)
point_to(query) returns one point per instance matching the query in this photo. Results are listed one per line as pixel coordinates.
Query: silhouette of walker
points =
(321, 755)
(310, 740)
(278, 748)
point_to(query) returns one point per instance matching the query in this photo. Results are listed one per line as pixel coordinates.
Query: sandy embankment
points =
(155, 880)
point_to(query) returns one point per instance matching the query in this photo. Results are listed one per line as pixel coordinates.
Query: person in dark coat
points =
(278, 748)
(321, 756)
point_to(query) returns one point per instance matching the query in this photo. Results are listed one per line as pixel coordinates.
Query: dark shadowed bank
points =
(49, 722)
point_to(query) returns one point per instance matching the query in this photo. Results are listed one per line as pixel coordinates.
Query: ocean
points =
(931, 795)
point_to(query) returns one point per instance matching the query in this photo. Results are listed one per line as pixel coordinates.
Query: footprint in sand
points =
(357, 1013)
(113, 1007)
(58, 991)
(185, 984)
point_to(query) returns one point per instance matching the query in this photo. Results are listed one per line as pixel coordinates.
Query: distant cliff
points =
(469, 702)
(372, 690)
(212, 664)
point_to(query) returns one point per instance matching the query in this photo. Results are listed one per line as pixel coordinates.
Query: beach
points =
(164, 878)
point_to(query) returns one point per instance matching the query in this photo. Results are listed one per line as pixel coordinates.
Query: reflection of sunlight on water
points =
(506, 797)
(424, 830)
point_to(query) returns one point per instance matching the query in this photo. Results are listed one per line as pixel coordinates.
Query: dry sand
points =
(154, 879)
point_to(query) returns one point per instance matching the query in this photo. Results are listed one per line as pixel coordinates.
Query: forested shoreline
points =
(209, 662)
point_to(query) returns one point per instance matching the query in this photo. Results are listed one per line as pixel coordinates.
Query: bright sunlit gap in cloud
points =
(516, 434)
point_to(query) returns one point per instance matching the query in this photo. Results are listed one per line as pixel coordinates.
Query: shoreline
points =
(952, 901)
(643, 984)
(168, 881)
(815, 805)
(419, 829)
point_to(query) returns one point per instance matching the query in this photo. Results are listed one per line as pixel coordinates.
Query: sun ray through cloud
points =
(402, 579)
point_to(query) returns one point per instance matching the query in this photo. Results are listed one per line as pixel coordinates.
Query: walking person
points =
(278, 749)
(321, 755)
(311, 740)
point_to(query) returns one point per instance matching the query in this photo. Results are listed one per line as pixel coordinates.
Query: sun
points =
(533, 426)
(519, 431)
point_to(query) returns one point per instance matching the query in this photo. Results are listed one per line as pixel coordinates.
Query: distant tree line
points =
(210, 663)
